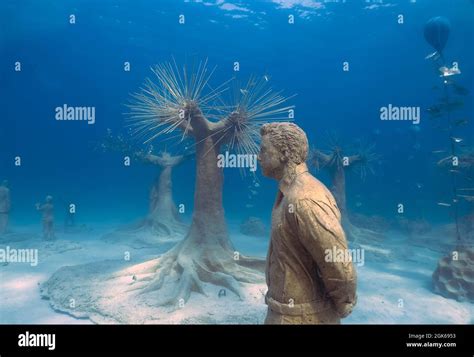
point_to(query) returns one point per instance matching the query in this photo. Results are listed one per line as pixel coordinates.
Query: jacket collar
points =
(287, 181)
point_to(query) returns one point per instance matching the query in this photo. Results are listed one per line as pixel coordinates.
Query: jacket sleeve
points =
(319, 229)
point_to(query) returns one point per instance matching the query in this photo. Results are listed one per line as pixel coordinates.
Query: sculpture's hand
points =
(344, 309)
(320, 231)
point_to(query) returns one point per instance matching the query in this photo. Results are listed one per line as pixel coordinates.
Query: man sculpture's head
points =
(283, 145)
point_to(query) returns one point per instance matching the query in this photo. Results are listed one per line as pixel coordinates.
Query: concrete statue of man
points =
(303, 286)
(47, 210)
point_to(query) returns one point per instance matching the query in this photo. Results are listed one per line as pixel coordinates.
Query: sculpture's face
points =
(270, 159)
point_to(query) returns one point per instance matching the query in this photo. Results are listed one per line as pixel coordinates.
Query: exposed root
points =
(156, 227)
(178, 273)
(221, 279)
(147, 233)
(359, 235)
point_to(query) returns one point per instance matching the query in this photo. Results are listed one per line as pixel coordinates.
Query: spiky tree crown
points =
(183, 99)
(362, 156)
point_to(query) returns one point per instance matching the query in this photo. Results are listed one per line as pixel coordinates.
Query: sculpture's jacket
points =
(306, 284)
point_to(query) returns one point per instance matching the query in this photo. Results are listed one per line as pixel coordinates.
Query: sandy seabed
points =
(394, 285)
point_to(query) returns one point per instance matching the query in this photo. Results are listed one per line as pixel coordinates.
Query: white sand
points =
(391, 272)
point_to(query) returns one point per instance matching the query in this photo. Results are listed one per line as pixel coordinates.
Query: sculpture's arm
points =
(319, 159)
(319, 228)
(223, 129)
(152, 159)
(227, 129)
(355, 159)
(179, 159)
(162, 161)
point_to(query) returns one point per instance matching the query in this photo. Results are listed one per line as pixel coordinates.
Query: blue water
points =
(81, 64)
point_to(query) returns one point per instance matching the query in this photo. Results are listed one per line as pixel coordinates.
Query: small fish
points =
(438, 151)
(435, 55)
(444, 204)
(467, 198)
(358, 204)
(454, 171)
(257, 184)
(456, 140)
(444, 159)
(417, 146)
(266, 77)
(248, 205)
(434, 110)
(254, 192)
(419, 185)
(461, 122)
(244, 91)
(465, 189)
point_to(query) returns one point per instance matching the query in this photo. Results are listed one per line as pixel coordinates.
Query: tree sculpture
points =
(176, 101)
(162, 220)
(336, 161)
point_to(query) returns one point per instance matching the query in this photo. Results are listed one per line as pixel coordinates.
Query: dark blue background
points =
(82, 65)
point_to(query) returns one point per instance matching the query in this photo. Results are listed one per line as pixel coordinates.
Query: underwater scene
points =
(237, 162)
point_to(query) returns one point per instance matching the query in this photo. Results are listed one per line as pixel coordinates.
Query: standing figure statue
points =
(304, 286)
(4, 206)
(47, 209)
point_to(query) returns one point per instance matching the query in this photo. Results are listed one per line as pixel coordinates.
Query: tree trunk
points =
(163, 214)
(206, 254)
(208, 224)
(338, 188)
(338, 180)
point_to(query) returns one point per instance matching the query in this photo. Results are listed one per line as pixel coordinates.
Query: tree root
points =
(359, 235)
(185, 273)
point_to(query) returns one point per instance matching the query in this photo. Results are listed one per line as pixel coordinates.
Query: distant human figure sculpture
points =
(304, 287)
(4, 206)
(47, 209)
